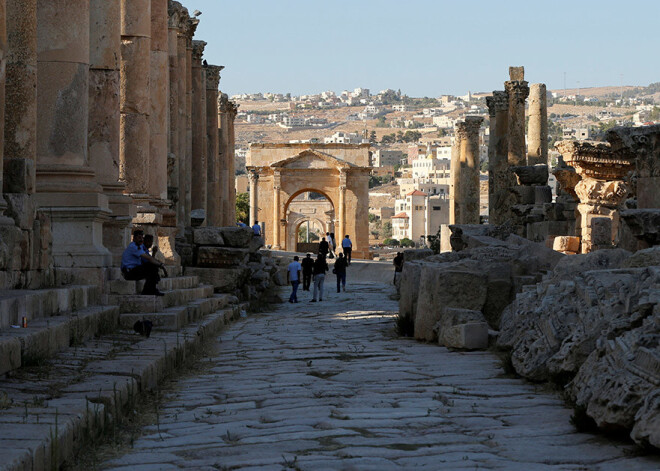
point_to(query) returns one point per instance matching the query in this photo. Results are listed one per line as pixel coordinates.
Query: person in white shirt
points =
(256, 228)
(347, 247)
(293, 277)
(331, 245)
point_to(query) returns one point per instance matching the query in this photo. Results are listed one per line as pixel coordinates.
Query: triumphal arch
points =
(278, 173)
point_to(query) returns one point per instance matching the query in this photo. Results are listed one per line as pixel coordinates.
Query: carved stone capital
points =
(501, 100)
(604, 193)
(596, 159)
(490, 103)
(227, 106)
(468, 128)
(198, 50)
(253, 176)
(176, 13)
(213, 76)
(517, 91)
(642, 142)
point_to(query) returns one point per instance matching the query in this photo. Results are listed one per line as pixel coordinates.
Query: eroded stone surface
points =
(327, 385)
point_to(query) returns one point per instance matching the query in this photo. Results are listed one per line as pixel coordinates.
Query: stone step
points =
(43, 303)
(170, 319)
(137, 303)
(122, 286)
(44, 415)
(43, 338)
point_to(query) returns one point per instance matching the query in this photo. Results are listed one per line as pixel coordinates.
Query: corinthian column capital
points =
(518, 90)
(213, 76)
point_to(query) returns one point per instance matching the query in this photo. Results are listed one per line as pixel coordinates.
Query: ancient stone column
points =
(455, 174)
(253, 178)
(182, 221)
(175, 10)
(341, 216)
(498, 174)
(212, 155)
(537, 135)
(469, 186)
(517, 91)
(66, 186)
(104, 121)
(20, 104)
(135, 128)
(601, 190)
(192, 27)
(199, 158)
(227, 113)
(277, 186)
(158, 113)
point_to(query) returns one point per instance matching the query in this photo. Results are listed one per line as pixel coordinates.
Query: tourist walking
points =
(320, 269)
(307, 269)
(331, 245)
(340, 270)
(398, 266)
(293, 277)
(323, 247)
(347, 248)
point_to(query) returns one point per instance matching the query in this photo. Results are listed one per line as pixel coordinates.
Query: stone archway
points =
(340, 172)
(297, 211)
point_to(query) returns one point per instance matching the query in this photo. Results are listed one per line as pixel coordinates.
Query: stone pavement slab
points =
(329, 385)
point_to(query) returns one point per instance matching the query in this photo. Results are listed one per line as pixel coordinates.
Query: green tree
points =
(386, 230)
(373, 217)
(381, 122)
(390, 241)
(243, 207)
(405, 242)
(372, 137)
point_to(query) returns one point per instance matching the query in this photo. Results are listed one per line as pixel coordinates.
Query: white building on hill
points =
(419, 215)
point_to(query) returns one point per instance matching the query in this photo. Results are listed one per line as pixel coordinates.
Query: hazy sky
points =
(427, 47)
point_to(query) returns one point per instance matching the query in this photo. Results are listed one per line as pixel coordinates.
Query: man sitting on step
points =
(137, 264)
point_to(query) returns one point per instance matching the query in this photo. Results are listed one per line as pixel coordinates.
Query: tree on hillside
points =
(243, 207)
(372, 137)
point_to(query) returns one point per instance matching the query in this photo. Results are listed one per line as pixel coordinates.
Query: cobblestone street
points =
(329, 385)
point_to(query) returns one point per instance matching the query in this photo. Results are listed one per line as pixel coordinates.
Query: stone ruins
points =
(566, 288)
(112, 122)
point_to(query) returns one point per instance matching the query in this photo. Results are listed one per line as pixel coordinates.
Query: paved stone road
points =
(327, 386)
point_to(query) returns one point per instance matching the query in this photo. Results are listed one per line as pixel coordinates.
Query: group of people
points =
(315, 270)
(256, 227)
(138, 262)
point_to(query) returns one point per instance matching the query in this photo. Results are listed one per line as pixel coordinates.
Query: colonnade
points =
(107, 115)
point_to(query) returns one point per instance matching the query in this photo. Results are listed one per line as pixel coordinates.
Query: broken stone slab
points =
(237, 236)
(208, 236)
(443, 286)
(531, 174)
(644, 258)
(644, 224)
(542, 194)
(601, 232)
(566, 244)
(409, 289)
(221, 257)
(416, 254)
(462, 328)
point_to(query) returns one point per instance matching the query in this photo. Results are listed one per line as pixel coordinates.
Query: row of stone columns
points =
(102, 97)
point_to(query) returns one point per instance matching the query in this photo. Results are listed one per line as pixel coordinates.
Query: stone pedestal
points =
(537, 142)
(213, 206)
(66, 186)
(199, 148)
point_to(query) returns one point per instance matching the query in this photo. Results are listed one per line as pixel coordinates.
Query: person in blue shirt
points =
(256, 229)
(241, 224)
(137, 264)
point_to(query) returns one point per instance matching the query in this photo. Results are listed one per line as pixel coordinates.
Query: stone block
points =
(221, 257)
(122, 287)
(208, 236)
(531, 174)
(601, 231)
(20, 209)
(19, 176)
(648, 195)
(239, 237)
(462, 328)
(224, 280)
(441, 287)
(416, 254)
(566, 244)
(517, 73)
(524, 194)
(542, 194)
(255, 244)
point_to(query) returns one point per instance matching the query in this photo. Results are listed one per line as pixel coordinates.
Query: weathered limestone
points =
(175, 10)
(517, 91)
(66, 186)
(158, 113)
(191, 27)
(338, 171)
(537, 142)
(199, 147)
(499, 181)
(182, 85)
(253, 178)
(227, 112)
(104, 121)
(465, 172)
(213, 204)
(455, 188)
(601, 190)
